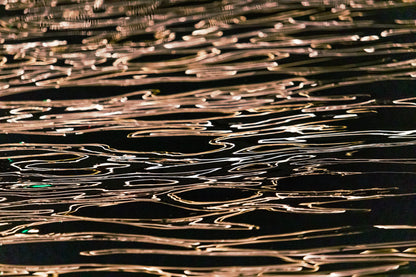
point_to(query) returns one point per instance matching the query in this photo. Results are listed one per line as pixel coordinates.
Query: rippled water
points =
(207, 138)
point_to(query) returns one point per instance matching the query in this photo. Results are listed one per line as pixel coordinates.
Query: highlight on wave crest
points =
(202, 138)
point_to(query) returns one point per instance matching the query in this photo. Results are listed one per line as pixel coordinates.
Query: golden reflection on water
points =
(224, 138)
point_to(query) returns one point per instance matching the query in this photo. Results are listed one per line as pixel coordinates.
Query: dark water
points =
(207, 138)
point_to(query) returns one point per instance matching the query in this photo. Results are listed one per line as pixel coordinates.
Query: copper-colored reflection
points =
(218, 138)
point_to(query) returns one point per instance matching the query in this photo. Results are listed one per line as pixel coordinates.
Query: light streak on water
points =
(202, 138)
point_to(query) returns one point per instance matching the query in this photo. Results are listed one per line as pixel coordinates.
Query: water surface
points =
(202, 138)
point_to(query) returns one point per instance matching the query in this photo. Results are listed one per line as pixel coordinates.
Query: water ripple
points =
(226, 138)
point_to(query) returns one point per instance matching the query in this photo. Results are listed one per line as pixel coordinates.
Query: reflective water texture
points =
(202, 138)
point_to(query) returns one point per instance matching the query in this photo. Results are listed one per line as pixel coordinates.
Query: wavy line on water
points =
(269, 130)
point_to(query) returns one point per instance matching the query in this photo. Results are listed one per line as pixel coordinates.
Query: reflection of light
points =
(261, 83)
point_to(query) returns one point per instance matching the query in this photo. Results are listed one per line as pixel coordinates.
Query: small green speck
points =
(25, 231)
(10, 160)
(41, 186)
